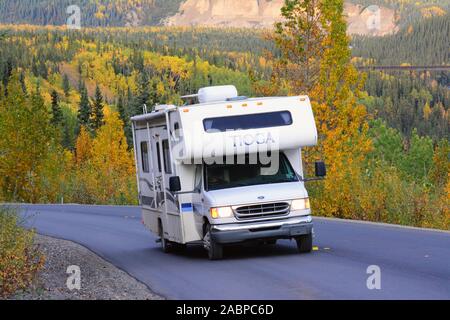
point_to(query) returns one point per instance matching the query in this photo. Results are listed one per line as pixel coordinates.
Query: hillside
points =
(231, 13)
(94, 13)
(66, 99)
(421, 43)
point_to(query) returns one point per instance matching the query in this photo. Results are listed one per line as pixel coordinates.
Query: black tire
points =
(179, 247)
(305, 243)
(166, 245)
(215, 250)
(271, 242)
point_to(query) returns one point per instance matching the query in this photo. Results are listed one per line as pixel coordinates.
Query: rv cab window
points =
(144, 157)
(226, 176)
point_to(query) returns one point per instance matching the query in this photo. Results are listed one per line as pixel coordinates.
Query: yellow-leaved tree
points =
(83, 147)
(31, 161)
(111, 165)
(316, 60)
(342, 121)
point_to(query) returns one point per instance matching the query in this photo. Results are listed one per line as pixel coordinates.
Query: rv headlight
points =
(300, 204)
(222, 212)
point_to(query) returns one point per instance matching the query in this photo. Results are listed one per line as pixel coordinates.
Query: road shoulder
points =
(100, 280)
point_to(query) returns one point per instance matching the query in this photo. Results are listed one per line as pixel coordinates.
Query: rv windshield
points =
(226, 176)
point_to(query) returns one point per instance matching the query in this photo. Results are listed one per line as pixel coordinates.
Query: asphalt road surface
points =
(414, 264)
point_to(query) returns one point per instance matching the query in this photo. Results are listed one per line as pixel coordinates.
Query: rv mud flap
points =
(299, 230)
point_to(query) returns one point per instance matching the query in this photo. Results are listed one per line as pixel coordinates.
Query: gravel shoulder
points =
(100, 280)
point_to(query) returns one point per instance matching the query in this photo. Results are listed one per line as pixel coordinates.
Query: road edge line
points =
(380, 224)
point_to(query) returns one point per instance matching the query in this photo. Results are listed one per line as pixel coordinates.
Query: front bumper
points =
(278, 229)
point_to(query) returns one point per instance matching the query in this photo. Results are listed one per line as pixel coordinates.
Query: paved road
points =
(415, 264)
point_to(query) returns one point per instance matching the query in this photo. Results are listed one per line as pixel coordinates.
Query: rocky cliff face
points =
(240, 13)
(264, 13)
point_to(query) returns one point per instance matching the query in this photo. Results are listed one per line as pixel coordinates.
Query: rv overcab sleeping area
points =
(226, 170)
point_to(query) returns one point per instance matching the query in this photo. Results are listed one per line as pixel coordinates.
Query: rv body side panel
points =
(155, 140)
(148, 196)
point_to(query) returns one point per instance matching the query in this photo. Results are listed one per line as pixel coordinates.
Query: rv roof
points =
(234, 101)
(167, 108)
(158, 113)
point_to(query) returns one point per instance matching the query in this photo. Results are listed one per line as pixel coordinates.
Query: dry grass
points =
(20, 259)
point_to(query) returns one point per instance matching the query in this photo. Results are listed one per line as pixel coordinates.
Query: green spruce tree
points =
(66, 85)
(97, 110)
(125, 119)
(143, 95)
(85, 109)
(57, 115)
(121, 110)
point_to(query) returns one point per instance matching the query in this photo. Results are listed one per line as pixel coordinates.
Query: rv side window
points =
(198, 178)
(144, 157)
(176, 129)
(248, 121)
(158, 155)
(167, 159)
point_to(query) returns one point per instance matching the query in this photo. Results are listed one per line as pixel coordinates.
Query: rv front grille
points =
(263, 210)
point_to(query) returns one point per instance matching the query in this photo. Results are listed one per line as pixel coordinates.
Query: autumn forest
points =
(66, 98)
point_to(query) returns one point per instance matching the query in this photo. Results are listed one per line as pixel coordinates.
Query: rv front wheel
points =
(215, 250)
(305, 243)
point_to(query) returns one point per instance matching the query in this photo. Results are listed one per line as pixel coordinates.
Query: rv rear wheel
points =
(215, 250)
(305, 243)
(165, 244)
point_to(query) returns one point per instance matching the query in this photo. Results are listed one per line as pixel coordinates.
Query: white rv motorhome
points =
(226, 170)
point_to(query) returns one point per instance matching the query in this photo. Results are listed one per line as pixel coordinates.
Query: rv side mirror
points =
(175, 184)
(321, 169)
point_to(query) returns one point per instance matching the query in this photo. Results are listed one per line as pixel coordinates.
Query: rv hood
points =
(257, 194)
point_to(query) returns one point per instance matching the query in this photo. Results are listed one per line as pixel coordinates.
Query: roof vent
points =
(218, 93)
(214, 94)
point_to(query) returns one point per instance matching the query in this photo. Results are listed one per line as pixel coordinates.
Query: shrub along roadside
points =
(20, 259)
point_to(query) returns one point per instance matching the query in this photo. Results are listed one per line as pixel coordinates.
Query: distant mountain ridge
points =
(264, 13)
(230, 13)
(94, 13)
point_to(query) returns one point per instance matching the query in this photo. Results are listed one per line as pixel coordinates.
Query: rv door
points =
(167, 202)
